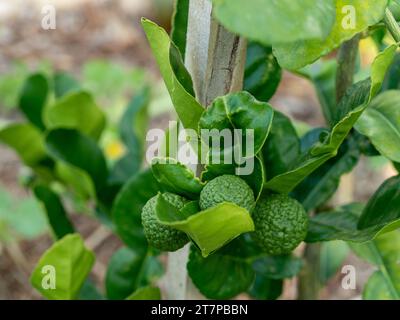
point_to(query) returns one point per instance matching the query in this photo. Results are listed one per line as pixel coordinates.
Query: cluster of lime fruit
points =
(280, 222)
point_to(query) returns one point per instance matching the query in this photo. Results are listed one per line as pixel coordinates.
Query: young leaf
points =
(65, 265)
(186, 106)
(263, 73)
(210, 229)
(323, 151)
(33, 99)
(237, 275)
(282, 147)
(381, 124)
(26, 140)
(78, 150)
(128, 205)
(128, 270)
(269, 21)
(64, 83)
(76, 111)
(180, 24)
(352, 17)
(146, 293)
(240, 111)
(176, 178)
(57, 217)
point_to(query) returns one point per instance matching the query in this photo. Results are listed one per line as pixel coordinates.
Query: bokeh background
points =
(101, 43)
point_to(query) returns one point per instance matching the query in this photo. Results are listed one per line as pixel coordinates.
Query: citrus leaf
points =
(210, 229)
(78, 150)
(180, 24)
(128, 205)
(278, 267)
(376, 288)
(26, 140)
(33, 99)
(128, 271)
(186, 106)
(176, 177)
(263, 73)
(64, 83)
(77, 110)
(269, 21)
(71, 263)
(56, 214)
(265, 288)
(206, 274)
(355, 102)
(333, 254)
(381, 124)
(239, 111)
(352, 17)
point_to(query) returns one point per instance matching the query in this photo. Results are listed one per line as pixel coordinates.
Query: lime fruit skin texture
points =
(227, 188)
(281, 224)
(162, 237)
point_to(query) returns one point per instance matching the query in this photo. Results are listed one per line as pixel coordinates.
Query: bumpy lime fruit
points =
(227, 188)
(162, 237)
(280, 224)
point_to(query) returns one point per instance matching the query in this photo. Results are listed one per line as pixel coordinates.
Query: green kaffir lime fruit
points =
(227, 188)
(159, 236)
(280, 224)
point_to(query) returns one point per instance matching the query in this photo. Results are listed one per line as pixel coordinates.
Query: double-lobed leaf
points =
(210, 229)
(66, 264)
(352, 17)
(176, 177)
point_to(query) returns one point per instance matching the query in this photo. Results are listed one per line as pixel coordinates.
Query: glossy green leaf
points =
(381, 124)
(33, 99)
(282, 147)
(269, 21)
(26, 140)
(239, 111)
(180, 24)
(89, 291)
(176, 177)
(56, 214)
(222, 275)
(341, 224)
(322, 184)
(352, 17)
(263, 73)
(64, 83)
(146, 293)
(76, 111)
(210, 229)
(264, 288)
(78, 150)
(69, 262)
(383, 207)
(128, 270)
(279, 267)
(392, 80)
(333, 254)
(385, 254)
(186, 106)
(127, 208)
(323, 151)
